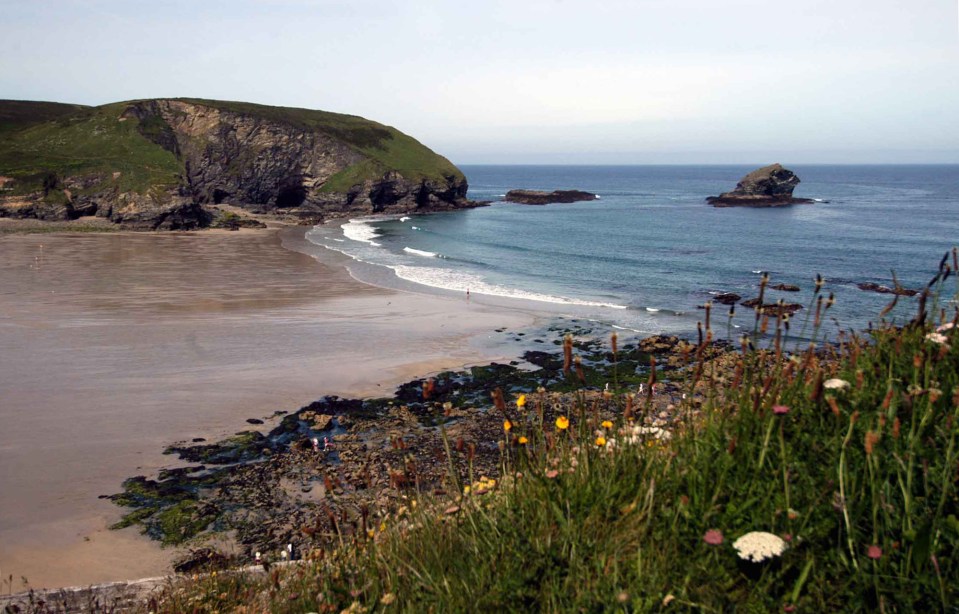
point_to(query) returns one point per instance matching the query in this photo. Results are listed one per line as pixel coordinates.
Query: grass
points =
(848, 453)
(17, 114)
(91, 143)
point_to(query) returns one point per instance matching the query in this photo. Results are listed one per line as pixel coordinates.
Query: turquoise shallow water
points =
(650, 250)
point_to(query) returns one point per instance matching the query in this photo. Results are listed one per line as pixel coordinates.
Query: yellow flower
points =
(521, 401)
(562, 423)
(601, 441)
(523, 441)
(466, 490)
(607, 424)
(507, 425)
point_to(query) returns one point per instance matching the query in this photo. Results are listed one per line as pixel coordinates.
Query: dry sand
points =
(114, 345)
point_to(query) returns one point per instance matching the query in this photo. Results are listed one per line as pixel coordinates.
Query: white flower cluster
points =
(938, 338)
(757, 546)
(835, 384)
(637, 434)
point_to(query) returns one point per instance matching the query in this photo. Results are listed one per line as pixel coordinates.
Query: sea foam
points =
(460, 281)
(360, 230)
(420, 252)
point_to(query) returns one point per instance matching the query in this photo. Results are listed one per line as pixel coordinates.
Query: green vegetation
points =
(94, 142)
(18, 114)
(845, 457)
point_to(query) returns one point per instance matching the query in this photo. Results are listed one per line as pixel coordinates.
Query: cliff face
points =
(160, 163)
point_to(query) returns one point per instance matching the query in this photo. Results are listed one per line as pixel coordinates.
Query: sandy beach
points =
(113, 346)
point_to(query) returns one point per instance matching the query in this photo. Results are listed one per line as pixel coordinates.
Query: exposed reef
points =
(538, 197)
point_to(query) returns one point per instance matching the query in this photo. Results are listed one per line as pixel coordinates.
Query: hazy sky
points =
(525, 81)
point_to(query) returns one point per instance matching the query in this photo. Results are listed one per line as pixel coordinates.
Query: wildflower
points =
(758, 546)
(562, 423)
(937, 338)
(600, 441)
(835, 384)
(668, 599)
(606, 424)
(521, 401)
(523, 440)
(388, 599)
(945, 327)
(780, 410)
(507, 425)
(466, 489)
(713, 537)
(552, 473)
(874, 552)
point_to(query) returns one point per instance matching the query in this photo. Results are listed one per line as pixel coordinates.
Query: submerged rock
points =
(769, 186)
(898, 290)
(726, 298)
(538, 197)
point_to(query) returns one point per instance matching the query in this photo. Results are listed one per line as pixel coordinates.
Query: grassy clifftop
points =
(85, 142)
(794, 477)
(17, 114)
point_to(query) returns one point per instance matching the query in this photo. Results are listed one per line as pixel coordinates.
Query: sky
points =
(531, 81)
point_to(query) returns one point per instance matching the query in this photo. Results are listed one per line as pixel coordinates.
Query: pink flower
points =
(779, 410)
(552, 473)
(713, 537)
(874, 552)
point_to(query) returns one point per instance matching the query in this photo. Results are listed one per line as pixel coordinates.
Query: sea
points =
(649, 252)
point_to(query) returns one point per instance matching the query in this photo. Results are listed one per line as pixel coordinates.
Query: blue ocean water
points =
(650, 250)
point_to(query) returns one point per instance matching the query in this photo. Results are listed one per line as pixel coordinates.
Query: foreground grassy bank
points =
(839, 464)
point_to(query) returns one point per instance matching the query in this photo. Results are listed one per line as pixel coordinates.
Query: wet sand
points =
(113, 346)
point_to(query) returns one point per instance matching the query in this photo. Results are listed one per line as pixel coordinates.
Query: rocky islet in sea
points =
(769, 186)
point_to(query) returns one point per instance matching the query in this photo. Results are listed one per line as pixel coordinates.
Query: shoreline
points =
(74, 547)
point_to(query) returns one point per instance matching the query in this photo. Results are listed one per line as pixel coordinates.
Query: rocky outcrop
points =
(769, 186)
(726, 298)
(537, 197)
(869, 286)
(772, 309)
(299, 163)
